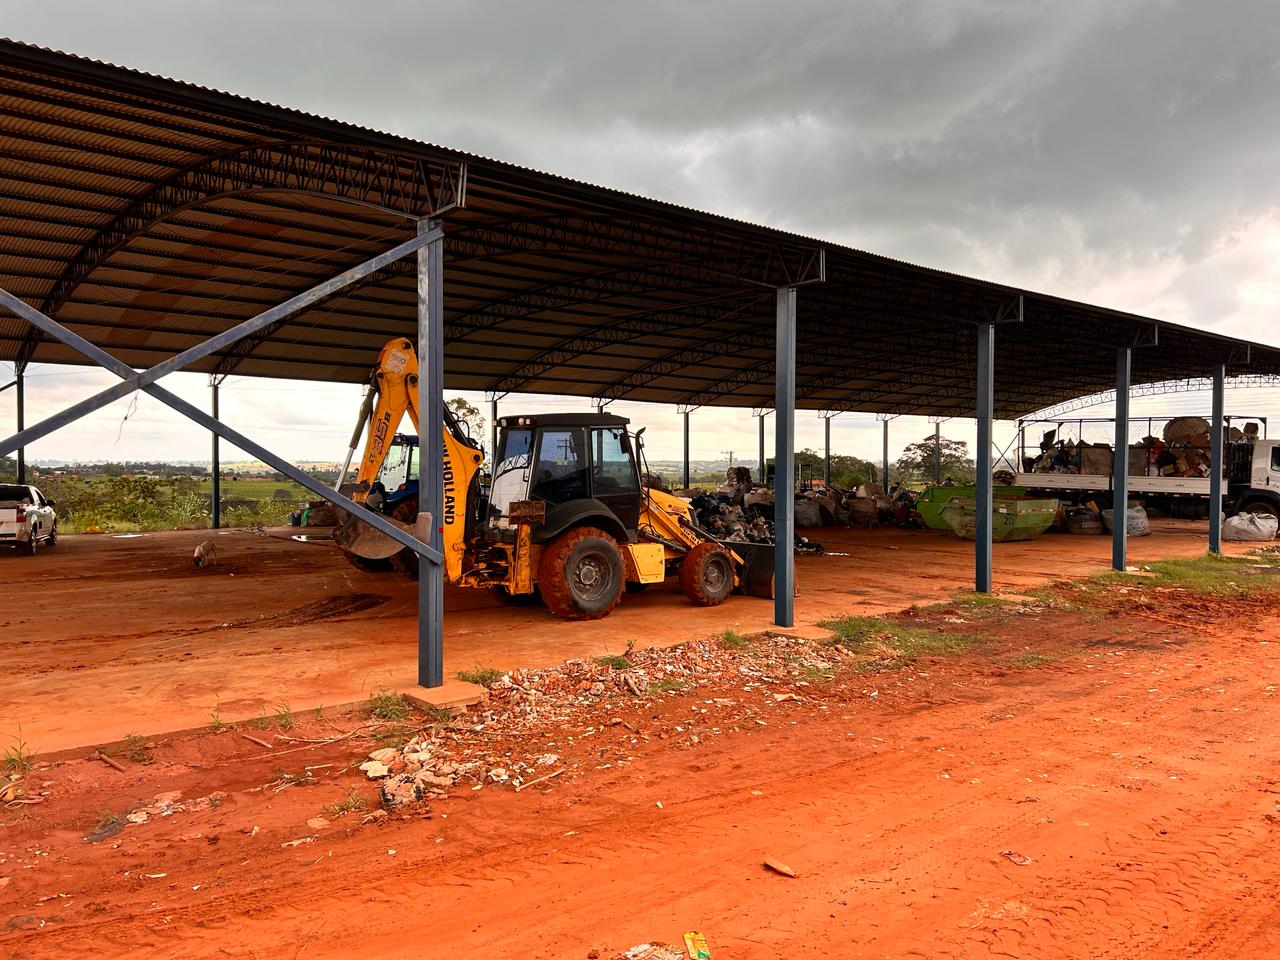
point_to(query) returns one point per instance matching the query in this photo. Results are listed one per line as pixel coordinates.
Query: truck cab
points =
(568, 467)
(1253, 477)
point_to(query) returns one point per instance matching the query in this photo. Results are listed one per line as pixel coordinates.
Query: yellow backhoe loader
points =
(566, 515)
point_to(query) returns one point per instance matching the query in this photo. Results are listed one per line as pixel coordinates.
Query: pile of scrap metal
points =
(739, 511)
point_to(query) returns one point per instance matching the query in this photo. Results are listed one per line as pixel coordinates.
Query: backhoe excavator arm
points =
(395, 385)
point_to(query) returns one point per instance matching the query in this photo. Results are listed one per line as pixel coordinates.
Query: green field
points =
(135, 503)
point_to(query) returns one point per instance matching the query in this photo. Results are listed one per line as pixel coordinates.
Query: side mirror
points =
(51, 503)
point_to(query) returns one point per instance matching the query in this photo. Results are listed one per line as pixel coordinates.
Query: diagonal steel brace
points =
(139, 381)
(127, 374)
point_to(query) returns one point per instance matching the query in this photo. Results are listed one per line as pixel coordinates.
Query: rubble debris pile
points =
(739, 512)
(534, 720)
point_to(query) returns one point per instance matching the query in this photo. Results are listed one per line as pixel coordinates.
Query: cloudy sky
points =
(1124, 152)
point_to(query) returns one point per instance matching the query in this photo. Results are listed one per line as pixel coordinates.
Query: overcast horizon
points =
(1124, 154)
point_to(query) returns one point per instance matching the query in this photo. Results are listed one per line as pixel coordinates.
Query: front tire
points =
(53, 536)
(580, 575)
(706, 574)
(1263, 508)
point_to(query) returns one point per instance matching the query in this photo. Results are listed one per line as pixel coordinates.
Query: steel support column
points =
(826, 452)
(764, 475)
(1215, 459)
(686, 450)
(784, 472)
(1120, 463)
(215, 467)
(937, 452)
(431, 478)
(985, 414)
(493, 436)
(885, 454)
(20, 386)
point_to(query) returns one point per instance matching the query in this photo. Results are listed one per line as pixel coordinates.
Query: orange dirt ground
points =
(1096, 783)
(103, 636)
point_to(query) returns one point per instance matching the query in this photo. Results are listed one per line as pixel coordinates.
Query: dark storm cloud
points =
(1091, 148)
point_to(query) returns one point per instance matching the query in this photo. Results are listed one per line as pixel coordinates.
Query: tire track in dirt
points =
(1146, 837)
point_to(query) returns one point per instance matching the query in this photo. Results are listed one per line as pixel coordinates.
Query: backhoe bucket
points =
(356, 536)
(756, 572)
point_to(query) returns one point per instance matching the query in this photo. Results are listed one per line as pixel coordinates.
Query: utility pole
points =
(729, 453)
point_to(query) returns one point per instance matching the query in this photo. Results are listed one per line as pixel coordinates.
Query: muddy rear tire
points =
(581, 575)
(406, 561)
(367, 565)
(706, 574)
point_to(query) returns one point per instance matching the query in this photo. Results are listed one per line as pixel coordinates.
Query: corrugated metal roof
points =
(148, 214)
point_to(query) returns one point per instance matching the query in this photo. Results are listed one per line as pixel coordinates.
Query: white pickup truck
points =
(27, 519)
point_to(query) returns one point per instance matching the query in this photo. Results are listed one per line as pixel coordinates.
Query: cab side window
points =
(614, 471)
(1275, 458)
(560, 474)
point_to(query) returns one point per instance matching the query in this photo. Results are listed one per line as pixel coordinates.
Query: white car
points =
(27, 519)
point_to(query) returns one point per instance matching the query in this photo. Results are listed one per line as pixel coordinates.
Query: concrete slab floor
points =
(100, 636)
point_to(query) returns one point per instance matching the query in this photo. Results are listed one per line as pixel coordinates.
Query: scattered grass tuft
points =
(284, 716)
(389, 706)
(971, 604)
(1219, 576)
(481, 676)
(137, 749)
(215, 718)
(616, 660)
(353, 802)
(667, 685)
(1030, 660)
(18, 756)
(392, 735)
(734, 640)
(260, 723)
(814, 674)
(891, 645)
(106, 819)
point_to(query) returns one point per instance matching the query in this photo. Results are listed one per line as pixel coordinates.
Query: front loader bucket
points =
(356, 536)
(756, 573)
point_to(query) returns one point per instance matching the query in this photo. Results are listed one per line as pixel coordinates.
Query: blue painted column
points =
(764, 474)
(1120, 463)
(215, 467)
(686, 450)
(985, 414)
(20, 386)
(1216, 459)
(937, 452)
(885, 454)
(784, 473)
(826, 454)
(430, 456)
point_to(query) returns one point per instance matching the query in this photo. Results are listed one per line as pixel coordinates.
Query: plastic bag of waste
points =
(1135, 522)
(1250, 526)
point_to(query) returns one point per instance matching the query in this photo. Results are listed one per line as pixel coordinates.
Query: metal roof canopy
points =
(148, 215)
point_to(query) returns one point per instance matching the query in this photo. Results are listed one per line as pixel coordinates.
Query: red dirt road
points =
(1135, 765)
(121, 635)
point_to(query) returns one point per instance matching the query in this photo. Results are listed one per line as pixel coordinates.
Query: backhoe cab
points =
(567, 516)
